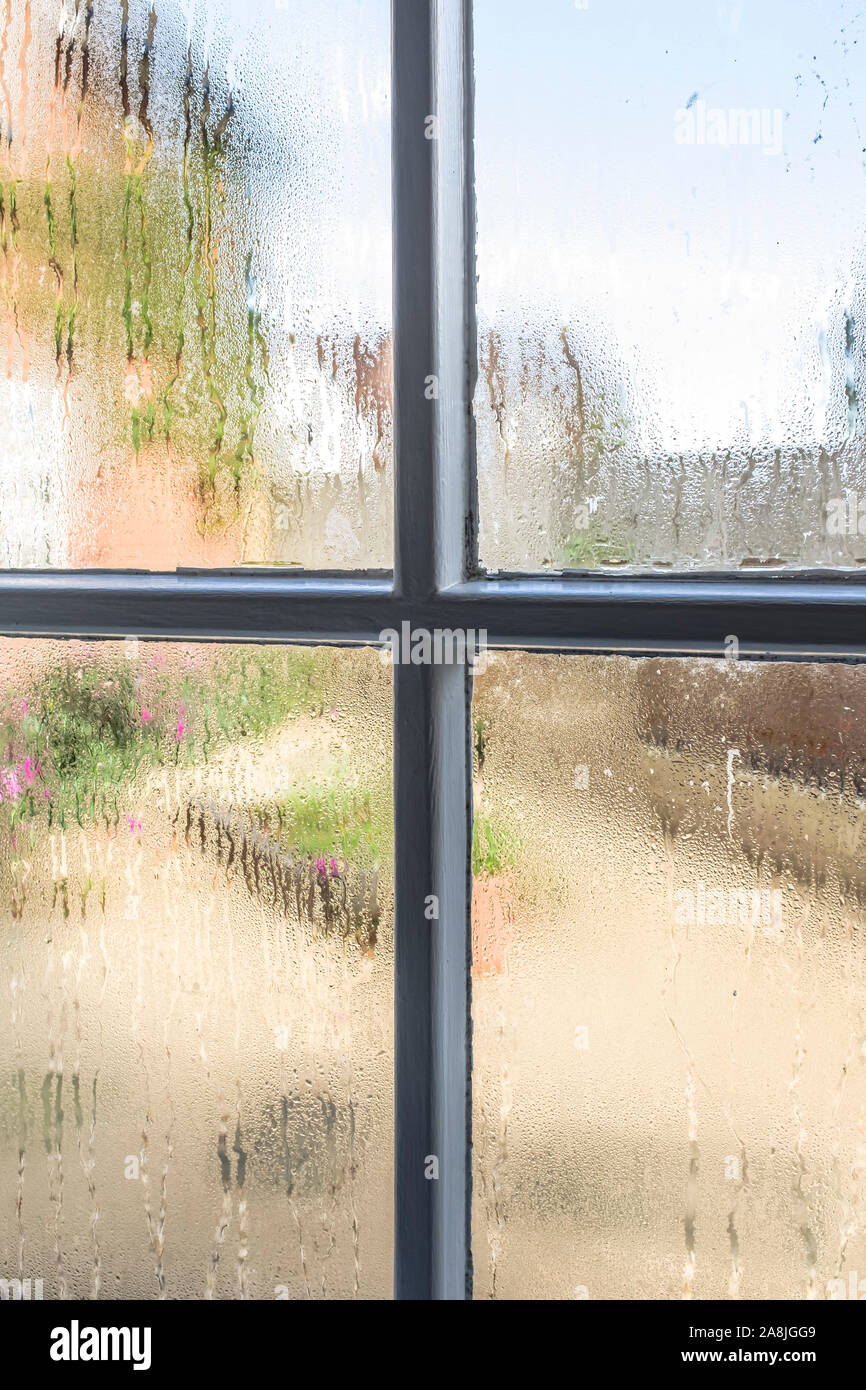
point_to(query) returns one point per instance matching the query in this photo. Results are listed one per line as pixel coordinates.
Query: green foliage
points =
(114, 264)
(85, 733)
(87, 717)
(249, 694)
(592, 547)
(494, 848)
(332, 819)
(479, 738)
(73, 747)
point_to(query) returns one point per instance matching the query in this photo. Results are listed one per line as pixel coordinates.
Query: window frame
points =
(437, 582)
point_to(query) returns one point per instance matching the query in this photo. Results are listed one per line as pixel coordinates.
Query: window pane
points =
(195, 238)
(196, 971)
(669, 1002)
(672, 291)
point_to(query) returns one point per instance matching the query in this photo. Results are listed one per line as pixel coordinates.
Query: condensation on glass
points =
(669, 989)
(672, 284)
(196, 971)
(195, 360)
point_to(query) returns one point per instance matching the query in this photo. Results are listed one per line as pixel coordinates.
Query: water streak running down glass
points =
(195, 362)
(672, 283)
(669, 988)
(196, 971)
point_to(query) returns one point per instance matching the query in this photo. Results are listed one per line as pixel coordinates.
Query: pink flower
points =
(181, 727)
(335, 872)
(145, 716)
(23, 706)
(31, 770)
(134, 825)
(321, 866)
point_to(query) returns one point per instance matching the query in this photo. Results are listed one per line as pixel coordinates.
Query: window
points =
(196, 230)
(669, 1084)
(197, 869)
(669, 253)
(680, 727)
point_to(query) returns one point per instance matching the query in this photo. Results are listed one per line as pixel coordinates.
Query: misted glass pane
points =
(196, 971)
(669, 991)
(195, 360)
(672, 283)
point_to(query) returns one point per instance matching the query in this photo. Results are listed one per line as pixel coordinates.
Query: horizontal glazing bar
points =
(778, 615)
(195, 606)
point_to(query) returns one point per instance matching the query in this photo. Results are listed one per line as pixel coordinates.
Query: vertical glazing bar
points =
(431, 711)
(414, 576)
(414, 296)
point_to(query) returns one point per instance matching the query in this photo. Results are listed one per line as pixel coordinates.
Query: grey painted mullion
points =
(431, 710)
